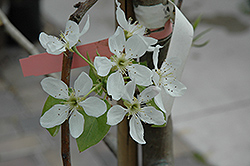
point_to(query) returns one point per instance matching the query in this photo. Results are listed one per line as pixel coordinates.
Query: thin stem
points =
(78, 53)
(83, 7)
(65, 137)
(93, 89)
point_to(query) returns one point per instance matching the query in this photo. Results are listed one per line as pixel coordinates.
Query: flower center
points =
(121, 63)
(72, 101)
(65, 41)
(133, 108)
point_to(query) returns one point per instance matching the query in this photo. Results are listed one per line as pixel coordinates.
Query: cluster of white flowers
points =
(121, 73)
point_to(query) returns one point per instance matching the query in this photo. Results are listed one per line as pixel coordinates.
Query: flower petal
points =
(142, 75)
(161, 101)
(149, 40)
(170, 64)
(86, 27)
(117, 41)
(115, 85)
(136, 130)
(120, 17)
(102, 65)
(147, 94)
(76, 124)
(115, 115)
(83, 84)
(156, 55)
(51, 43)
(174, 87)
(129, 91)
(152, 116)
(155, 78)
(135, 47)
(71, 33)
(55, 116)
(55, 88)
(44, 39)
(94, 106)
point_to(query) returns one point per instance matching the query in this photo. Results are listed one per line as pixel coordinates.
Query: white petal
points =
(83, 84)
(175, 88)
(71, 28)
(55, 47)
(71, 33)
(152, 116)
(102, 65)
(44, 39)
(55, 116)
(51, 43)
(129, 91)
(170, 64)
(147, 94)
(94, 106)
(149, 40)
(155, 78)
(136, 130)
(115, 115)
(115, 85)
(76, 124)
(135, 47)
(55, 88)
(142, 75)
(156, 55)
(121, 18)
(117, 41)
(161, 100)
(86, 27)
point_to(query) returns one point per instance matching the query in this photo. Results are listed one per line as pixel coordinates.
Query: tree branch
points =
(82, 8)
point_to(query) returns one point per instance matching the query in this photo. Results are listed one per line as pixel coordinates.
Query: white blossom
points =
(68, 109)
(166, 80)
(69, 38)
(137, 111)
(131, 29)
(125, 51)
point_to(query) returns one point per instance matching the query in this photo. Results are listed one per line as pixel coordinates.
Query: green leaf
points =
(201, 45)
(140, 88)
(50, 102)
(197, 21)
(197, 37)
(94, 130)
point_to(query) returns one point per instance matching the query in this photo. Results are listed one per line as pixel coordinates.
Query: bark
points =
(82, 8)
(127, 148)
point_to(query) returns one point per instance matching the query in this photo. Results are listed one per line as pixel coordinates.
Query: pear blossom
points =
(165, 79)
(69, 38)
(125, 51)
(137, 111)
(68, 109)
(133, 28)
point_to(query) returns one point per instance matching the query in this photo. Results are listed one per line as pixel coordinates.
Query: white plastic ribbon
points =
(182, 34)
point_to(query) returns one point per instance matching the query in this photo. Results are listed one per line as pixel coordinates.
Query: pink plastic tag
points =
(45, 63)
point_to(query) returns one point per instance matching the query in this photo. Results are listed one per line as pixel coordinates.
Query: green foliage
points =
(50, 102)
(94, 130)
(197, 37)
(199, 157)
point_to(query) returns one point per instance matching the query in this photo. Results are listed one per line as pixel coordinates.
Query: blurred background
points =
(211, 121)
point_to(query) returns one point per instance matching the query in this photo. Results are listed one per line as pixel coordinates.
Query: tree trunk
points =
(158, 151)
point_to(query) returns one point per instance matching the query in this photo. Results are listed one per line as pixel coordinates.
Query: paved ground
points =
(210, 119)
